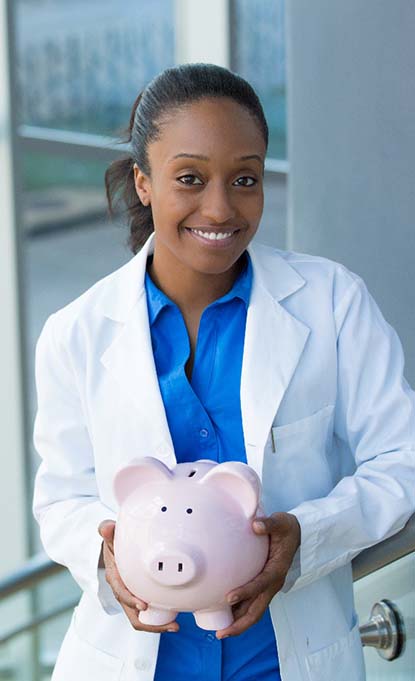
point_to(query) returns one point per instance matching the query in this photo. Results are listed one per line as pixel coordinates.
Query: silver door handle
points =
(385, 630)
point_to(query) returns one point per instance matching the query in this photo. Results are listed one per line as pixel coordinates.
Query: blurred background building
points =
(336, 82)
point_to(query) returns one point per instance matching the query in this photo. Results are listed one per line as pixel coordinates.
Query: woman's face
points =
(206, 185)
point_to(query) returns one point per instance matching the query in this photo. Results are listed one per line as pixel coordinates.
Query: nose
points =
(173, 568)
(217, 206)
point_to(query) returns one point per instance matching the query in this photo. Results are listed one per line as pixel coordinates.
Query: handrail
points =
(40, 567)
(28, 575)
(96, 147)
(35, 622)
(386, 552)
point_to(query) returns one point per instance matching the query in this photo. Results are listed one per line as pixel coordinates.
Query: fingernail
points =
(172, 629)
(220, 638)
(259, 526)
(233, 600)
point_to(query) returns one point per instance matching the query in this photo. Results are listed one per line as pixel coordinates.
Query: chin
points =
(215, 266)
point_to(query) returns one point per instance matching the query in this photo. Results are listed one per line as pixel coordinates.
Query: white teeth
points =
(213, 235)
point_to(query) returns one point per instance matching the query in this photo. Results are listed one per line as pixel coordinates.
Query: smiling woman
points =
(195, 177)
(206, 206)
(208, 347)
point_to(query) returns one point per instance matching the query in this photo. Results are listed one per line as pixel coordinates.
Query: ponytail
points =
(120, 187)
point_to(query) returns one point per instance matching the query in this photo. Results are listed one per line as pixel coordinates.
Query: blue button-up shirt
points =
(205, 422)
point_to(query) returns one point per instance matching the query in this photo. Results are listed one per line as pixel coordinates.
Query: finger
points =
(253, 614)
(250, 589)
(106, 529)
(133, 616)
(266, 525)
(125, 597)
(284, 524)
(120, 591)
(241, 608)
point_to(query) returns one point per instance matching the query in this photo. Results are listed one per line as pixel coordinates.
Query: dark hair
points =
(172, 89)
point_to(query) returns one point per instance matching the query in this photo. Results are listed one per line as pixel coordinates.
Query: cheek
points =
(253, 208)
(171, 207)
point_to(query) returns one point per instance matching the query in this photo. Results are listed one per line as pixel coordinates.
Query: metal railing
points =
(386, 552)
(40, 567)
(95, 147)
(37, 569)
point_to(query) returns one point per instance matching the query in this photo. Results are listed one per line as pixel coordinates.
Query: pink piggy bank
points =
(184, 537)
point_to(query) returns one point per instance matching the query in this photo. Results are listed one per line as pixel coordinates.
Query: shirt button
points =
(203, 432)
(211, 637)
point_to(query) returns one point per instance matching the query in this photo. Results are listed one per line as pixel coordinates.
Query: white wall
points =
(351, 128)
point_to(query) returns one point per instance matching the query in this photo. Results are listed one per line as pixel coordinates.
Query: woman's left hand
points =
(251, 600)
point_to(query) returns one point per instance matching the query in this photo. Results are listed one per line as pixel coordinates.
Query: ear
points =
(237, 480)
(142, 185)
(137, 473)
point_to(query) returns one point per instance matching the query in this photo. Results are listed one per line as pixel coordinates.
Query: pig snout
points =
(175, 567)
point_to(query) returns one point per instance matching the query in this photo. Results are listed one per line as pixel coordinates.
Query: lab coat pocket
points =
(296, 461)
(342, 660)
(79, 660)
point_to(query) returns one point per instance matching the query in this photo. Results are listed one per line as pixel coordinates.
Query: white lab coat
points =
(321, 380)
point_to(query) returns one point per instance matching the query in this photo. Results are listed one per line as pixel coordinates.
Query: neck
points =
(192, 291)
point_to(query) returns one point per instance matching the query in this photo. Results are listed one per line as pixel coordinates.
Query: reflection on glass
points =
(81, 64)
(259, 56)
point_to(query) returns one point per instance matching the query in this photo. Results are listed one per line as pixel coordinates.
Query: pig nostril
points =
(160, 567)
(191, 474)
(180, 567)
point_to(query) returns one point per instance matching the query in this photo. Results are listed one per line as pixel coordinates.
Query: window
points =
(258, 54)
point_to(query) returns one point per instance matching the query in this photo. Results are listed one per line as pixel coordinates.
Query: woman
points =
(207, 346)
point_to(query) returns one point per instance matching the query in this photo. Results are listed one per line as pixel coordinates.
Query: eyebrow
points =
(200, 157)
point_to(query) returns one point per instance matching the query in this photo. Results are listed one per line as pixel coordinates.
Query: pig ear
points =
(237, 480)
(139, 472)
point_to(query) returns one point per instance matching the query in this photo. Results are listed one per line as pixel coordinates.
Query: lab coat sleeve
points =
(375, 420)
(66, 503)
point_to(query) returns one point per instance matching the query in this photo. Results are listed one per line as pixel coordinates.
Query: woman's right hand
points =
(130, 603)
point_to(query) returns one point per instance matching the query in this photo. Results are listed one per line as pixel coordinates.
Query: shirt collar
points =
(157, 300)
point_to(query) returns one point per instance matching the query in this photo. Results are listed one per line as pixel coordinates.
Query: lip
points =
(213, 243)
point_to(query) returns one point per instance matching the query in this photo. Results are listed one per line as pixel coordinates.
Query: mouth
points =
(213, 237)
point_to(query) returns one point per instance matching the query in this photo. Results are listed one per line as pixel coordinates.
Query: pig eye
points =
(164, 509)
(189, 510)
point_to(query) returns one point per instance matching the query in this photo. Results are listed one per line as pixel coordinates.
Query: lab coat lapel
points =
(274, 342)
(129, 356)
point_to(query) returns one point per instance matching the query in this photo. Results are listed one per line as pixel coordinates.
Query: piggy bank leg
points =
(156, 616)
(216, 619)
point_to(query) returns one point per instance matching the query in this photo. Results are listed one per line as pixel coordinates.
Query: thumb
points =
(106, 530)
(261, 525)
(270, 524)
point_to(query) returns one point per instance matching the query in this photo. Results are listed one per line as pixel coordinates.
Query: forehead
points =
(209, 126)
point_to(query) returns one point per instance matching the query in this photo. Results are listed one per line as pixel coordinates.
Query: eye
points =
(189, 510)
(164, 509)
(245, 181)
(189, 179)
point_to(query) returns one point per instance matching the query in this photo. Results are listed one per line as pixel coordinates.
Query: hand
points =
(251, 600)
(129, 603)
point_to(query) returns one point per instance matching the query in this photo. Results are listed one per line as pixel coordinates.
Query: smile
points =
(212, 236)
